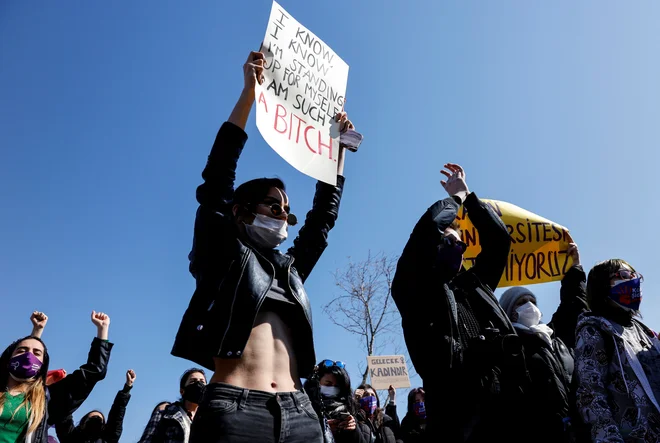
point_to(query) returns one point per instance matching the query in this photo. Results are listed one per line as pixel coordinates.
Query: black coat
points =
(67, 432)
(66, 396)
(551, 367)
(466, 386)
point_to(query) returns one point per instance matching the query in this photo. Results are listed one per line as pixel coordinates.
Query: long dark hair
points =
(344, 385)
(379, 414)
(35, 396)
(411, 399)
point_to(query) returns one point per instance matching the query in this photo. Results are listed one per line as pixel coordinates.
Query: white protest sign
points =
(386, 370)
(303, 90)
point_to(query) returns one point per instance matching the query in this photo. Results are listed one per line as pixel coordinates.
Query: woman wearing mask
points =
(379, 423)
(413, 426)
(170, 422)
(549, 352)
(26, 409)
(329, 389)
(92, 427)
(250, 319)
(617, 359)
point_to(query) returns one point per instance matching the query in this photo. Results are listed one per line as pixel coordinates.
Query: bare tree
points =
(365, 307)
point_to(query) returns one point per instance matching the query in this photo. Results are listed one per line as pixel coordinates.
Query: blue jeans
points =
(231, 414)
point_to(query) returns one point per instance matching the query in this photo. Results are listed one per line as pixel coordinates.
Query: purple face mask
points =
(24, 367)
(368, 404)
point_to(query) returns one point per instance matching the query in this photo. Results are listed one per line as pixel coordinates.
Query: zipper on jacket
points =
(221, 282)
(231, 309)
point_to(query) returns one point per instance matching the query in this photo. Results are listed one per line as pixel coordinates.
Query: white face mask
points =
(329, 391)
(267, 232)
(529, 315)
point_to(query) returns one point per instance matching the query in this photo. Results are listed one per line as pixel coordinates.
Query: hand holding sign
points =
(455, 184)
(253, 70)
(303, 90)
(574, 253)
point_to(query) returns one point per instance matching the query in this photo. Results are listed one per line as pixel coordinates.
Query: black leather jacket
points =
(65, 396)
(233, 277)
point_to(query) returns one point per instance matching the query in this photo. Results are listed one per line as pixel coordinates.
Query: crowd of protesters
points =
(491, 369)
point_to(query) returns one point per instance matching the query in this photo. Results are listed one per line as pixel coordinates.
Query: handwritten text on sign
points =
(538, 246)
(304, 88)
(388, 370)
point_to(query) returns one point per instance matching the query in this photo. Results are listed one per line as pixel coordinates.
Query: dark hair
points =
(87, 417)
(255, 191)
(186, 375)
(379, 414)
(366, 386)
(456, 226)
(6, 356)
(343, 383)
(598, 289)
(411, 398)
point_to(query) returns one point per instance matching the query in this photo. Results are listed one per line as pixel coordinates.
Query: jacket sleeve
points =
(68, 394)
(494, 239)
(394, 424)
(312, 238)
(416, 286)
(65, 429)
(115, 425)
(151, 431)
(417, 261)
(592, 372)
(573, 303)
(215, 195)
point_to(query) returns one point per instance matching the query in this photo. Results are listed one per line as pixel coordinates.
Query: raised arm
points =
(312, 238)
(220, 172)
(573, 300)
(39, 320)
(493, 235)
(68, 394)
(215, 194)
(115, 425)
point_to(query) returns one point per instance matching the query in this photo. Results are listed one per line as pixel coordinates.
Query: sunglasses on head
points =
(277, 210)
(624, 274)
(451, 241)
(330, 363)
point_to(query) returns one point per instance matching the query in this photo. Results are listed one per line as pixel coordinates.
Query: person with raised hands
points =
(460, 340)
(93, 428)
(26, 409)
(549, 353)
(250, 319)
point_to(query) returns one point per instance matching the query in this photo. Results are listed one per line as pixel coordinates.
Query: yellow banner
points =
(538, 246)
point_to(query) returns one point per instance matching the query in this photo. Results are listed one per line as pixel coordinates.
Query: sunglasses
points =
(451, 241)
(330, 363)
(277, 210)
(624, 274)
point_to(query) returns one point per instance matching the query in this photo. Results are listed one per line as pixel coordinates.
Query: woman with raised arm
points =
(250, 319)
(93, 427)
(27, 407)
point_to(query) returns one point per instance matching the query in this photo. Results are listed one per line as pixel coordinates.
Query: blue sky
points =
(108, 111)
